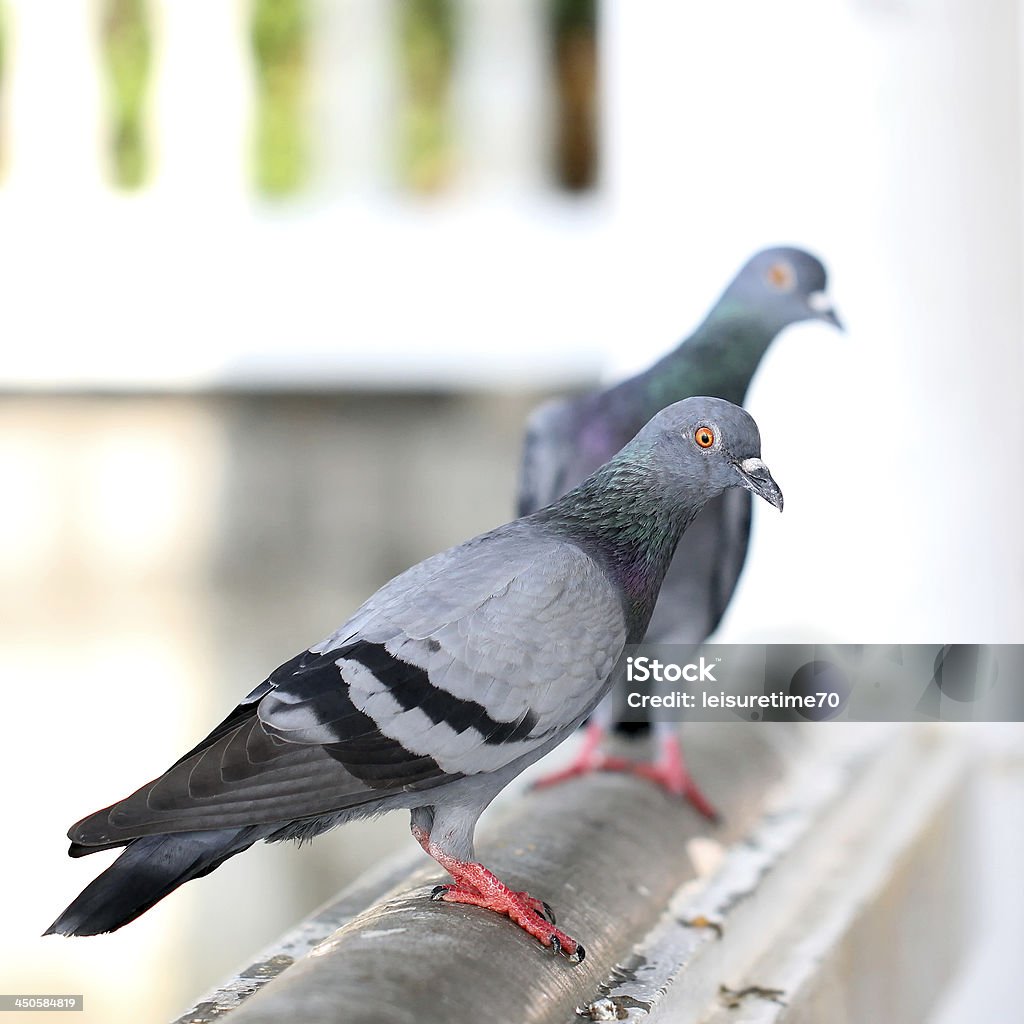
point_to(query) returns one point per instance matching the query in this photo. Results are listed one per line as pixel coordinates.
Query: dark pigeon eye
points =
(704, 436)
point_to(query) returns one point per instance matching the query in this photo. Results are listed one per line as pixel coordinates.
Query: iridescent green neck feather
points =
(629, 521)
(720, 359)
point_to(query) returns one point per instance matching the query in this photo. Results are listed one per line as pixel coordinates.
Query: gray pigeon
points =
(440, 689)
(568, 439)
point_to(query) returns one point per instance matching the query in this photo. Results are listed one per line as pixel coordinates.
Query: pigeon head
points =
(784, 284)
(706, 445)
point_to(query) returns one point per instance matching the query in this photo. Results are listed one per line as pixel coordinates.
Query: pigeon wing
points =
(473, 675)
(469, 661)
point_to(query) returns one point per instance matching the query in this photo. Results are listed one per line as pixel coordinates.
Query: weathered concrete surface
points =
(302, 939)
(835, 892)
(607, 852)
(844, 904)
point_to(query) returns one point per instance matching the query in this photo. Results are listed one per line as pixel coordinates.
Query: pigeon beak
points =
(755, 477)
(821, 306)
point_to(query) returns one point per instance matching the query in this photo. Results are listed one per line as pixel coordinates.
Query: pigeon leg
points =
(669, 771)
(588, 759)
(477, 886)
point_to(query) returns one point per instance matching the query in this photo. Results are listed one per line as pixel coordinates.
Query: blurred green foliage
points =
(427, 41)
(279, 34)
(574, 15)
(573, 29)
(126, 45)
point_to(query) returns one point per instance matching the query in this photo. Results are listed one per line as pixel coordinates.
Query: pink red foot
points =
(532, 915)
(589, 759)
(669, 772)
(537, 906)
(577, 769)
(475, 885)
(673, 778)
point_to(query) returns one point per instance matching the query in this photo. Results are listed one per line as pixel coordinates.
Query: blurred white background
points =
(237, 400)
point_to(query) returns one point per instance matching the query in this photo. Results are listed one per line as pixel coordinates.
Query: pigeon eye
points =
(781, 276)
(704, 436)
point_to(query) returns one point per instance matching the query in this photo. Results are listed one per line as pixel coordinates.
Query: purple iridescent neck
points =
(629, 521)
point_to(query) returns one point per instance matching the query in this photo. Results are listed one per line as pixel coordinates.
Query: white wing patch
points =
(519, 636)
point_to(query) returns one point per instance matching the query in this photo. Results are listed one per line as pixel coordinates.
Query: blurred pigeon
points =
(568, 439)
(440, 689)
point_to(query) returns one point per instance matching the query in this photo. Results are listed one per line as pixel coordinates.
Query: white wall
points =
(886, 137)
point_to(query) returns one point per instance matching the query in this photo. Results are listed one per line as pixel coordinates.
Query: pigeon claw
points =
(561, 944)
(541, 907)
(479, 888)
(577, 956)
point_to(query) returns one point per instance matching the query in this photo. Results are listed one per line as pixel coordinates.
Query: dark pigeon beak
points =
(756, 478)
(831, 317)
(822, 308)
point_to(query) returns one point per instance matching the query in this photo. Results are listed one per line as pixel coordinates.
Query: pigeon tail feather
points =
(149, 869)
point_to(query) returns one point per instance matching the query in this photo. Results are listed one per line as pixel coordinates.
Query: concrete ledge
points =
(803, 891)
(844, 903)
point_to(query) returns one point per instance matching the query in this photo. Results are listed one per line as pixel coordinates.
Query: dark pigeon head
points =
(785, 285)
(706, 445)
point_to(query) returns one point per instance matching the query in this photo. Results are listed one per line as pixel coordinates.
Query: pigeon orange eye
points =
(781, 276)
(704, 436)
